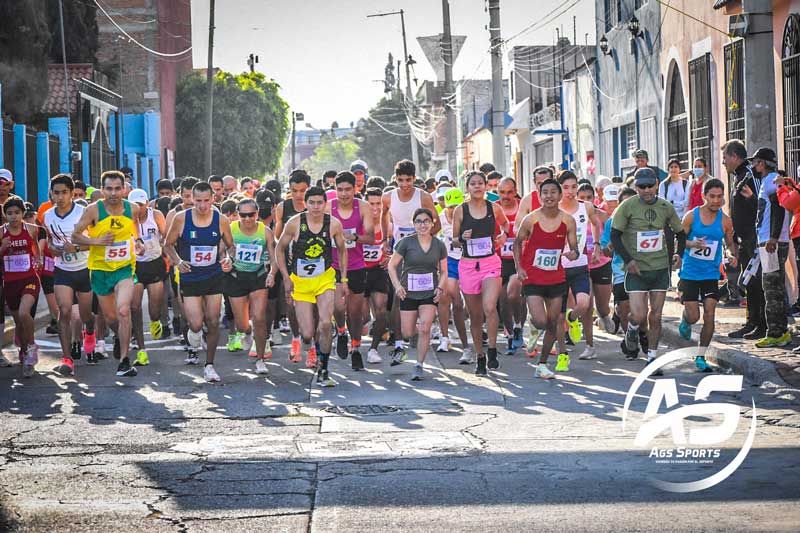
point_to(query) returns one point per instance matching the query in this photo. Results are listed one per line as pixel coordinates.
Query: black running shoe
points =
(91, 358)
(176, 326)
(342, 341)
(493, 363)
(166, 332)
(76, 351)
(52, 328)
(741, 332)
(568, 341)
(480, 366)
(485, 338)
(615, 318)
(125, 370)
(644, 344)
(355, 358)
(630, 355)
(117, 352)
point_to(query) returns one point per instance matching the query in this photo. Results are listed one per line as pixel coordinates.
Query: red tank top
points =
(18, 259)
(541, 257)
(48, 262)
(505, 251)
(373, 253)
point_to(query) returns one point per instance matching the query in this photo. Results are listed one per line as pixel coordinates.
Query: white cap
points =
(6, 174)
(138, 196)
(611, 192)
(602, 181)
(444, 173)
(359, 165)
(441, 191)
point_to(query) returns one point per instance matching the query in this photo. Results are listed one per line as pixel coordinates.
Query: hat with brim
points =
(765, 154)
(611, 193)
(6, 175)
(138, 196)
(645, 176)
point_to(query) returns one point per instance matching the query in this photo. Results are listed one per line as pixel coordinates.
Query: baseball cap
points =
(6, 175)
(453, 197)
(765, 154)
(441, 192)
(89, 191)
(611, 192)
(137, 196)
(602, 181)
(645, 176)
(443, 175)
(640, 153)
(358, 166)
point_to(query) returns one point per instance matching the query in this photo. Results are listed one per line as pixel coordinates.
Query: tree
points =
(80, 29)
(331, 154)
(383, 139)
(250, 124)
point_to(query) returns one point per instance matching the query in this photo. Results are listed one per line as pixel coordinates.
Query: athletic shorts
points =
(308, 289)
(452, 268)
(545, 291)
(620, 294)
(103, 282)
(47, 284)
(410, 304)
(77, 279)
(507, 269)
(240, 284)
(151, 272)
(200, 288)
(602, 275)
(647, 281)
(472, 272)
(698, 290)
(13, 291)
(377, 281)
(577, 282)
(356, 280)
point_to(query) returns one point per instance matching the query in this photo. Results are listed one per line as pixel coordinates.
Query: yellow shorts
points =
(307, 289)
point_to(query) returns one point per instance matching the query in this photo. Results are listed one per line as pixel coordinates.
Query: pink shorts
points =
(472, 272)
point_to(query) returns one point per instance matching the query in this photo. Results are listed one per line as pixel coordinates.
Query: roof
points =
(56, 103)
(719, 4)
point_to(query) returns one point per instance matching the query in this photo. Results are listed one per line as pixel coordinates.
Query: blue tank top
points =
(703, 264)
(200, 248)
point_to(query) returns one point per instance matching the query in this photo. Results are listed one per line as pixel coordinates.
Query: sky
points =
(325, 54)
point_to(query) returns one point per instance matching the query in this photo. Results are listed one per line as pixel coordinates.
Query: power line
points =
(131, 39)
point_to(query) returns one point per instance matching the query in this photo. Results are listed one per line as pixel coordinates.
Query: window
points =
(677, 126)
(734, 90)
(629, 142)
(790, 62)
(701, 124)
(613, 13)
(639, 3)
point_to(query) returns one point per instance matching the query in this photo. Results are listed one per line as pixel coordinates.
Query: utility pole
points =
(252, 60)
(409, 95)
(498, 113)
(210, 89)
(66, 81)
(449, 112)
(295, 117)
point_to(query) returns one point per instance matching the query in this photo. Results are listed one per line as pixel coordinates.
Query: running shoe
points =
(658, 372)
(617, 323)
(284, 328)
(75, 351)
(480, 366)
(261, 367)
(356, 362)
(444, 345)
(775, 342)
(276, 337)
(588, 353)
(52, 328)
(176, 326)
(435, 333)
(247, 342)
(194, 339)
(167, 332)
(467, 357)
(67, 367)
(685, 329)
(91, 358)
(517, 340)
(533, 339)
(324, 379)
(294, 351)
(398, 356)
(4, 363)
(156, 329)
(417, 375)
(575, 328)
(311, 357)
(493, 363)
(702, 365)
(267, 351)
(510, 345)
(141, 359)
(342, 341)
(543, 372)
(237, 341)
(125, 370)
(632, 340)
(89, 342)
(562, 364)
(630, 355)
(485, 338)
(608, 324)
(210, 375)
(191, 357)
(117, 352)
(373, 357)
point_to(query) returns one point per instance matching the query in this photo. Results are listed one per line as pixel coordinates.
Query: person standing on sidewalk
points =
(789, 198)
(743, 208)
(772, 229)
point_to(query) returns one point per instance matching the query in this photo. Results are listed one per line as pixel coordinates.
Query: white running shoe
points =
(32, 356)
(4, 363)
(195, 338)
(277, 338)
(247, 342)
(588, 353)
(543, 372)
(261, 367)
(608, 323)
(285, 326)
(211, 375)
(444, 345)
(100, 347)
(373, 357)
(466, 357)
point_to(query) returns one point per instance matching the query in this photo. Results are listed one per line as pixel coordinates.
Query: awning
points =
(519, 113)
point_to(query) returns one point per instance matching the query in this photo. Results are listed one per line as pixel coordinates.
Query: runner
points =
(312, 284)
(70, 273)
(600, 270)
(420, 284)
(151, 271)
(530, 202)
(475, 224)
(706, 227)
(512, 307)
(247, 279)
(198, 233)
(354, 215)
(544, 233)
(637, 233)
(19, 248)
(111, 233)
(377, 285)
(621, 300)
(184, 202)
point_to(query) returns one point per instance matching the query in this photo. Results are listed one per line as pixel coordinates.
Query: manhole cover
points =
(364, 409)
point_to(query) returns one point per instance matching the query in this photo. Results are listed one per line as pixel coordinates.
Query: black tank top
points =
(289, 211)
(311, 246)
(482, 228)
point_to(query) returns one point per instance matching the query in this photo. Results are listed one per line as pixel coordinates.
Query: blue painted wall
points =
(20, 162)
(59, 126)
(42, 166)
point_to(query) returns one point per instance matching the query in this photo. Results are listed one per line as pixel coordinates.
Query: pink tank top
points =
(590, 244)
(352, 224)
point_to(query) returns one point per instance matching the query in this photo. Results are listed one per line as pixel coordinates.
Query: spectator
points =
(697, 178)
(789, 199)
(329, 179)
(642, 159)
(674, 188)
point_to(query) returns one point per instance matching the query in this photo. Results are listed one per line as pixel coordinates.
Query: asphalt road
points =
(167, 452)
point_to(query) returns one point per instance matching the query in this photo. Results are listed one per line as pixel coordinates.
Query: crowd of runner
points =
(348, 256)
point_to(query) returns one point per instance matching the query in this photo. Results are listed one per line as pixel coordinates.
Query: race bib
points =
(17, 263)
(404, 232)
(479, 247)
(310, 268)
(118, 252)
(70, 258)
(151, 247)
(49, 264)
(709, 253)
(347, 242)
(420, 282)
(649, 241)
(507, 251)
(249, 253)
(202, 256)
(373, 252)
(769, 261)
(547, 259)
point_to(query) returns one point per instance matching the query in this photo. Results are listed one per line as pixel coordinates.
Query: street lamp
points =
(295, 118)
(635, 28)
(604, 46)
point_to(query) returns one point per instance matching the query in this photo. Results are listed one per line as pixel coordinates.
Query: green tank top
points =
(251, 250)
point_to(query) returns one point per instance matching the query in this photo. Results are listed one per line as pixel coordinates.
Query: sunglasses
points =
(247, 215)
(649, 186)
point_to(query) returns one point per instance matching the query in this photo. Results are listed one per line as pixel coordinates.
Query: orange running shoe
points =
(311, 358)
(294, 352)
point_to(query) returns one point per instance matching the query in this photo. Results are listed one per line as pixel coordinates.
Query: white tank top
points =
(581, 225)
(402, 212)
(148, 231)
(447, 237)
(61, 229)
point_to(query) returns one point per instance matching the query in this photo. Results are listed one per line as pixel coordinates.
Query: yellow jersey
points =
(120, 254)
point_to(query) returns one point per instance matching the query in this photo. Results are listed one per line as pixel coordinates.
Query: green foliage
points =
(381, 149)
(80, 29)
(250, 125)
(331, 154)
